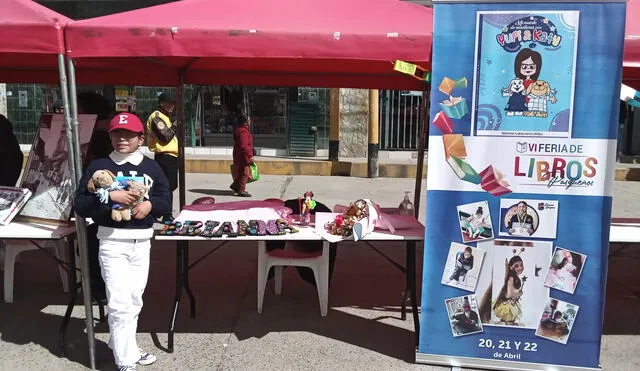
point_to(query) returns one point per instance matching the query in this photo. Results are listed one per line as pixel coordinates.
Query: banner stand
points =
(522, 150)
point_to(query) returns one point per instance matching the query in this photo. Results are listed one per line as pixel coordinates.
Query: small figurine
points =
(307, 205)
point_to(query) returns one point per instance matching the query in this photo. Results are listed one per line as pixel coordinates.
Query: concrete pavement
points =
(363, 330)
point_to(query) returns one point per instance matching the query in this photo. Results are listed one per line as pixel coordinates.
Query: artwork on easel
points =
(47, 174)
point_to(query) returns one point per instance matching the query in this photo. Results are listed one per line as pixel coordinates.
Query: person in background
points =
(242, 148)
(100, 143)
(125, 245)
(58, 107)
(10, 153)
(163, 141)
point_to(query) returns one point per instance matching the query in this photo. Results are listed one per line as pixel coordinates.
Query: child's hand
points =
(141, 210)
(126, 198)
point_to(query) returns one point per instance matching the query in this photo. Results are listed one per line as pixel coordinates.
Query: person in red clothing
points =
(242, 149)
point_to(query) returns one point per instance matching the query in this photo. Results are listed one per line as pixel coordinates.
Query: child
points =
(464, 263)
(507, 305)
(521, 223)
(125, 246)
(475, 224)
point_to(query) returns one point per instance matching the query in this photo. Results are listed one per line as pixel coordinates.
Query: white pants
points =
(125, 269)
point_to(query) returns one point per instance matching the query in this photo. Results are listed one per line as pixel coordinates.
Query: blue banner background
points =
(583, 221)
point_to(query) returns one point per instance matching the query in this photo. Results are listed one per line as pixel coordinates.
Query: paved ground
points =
(363, 330)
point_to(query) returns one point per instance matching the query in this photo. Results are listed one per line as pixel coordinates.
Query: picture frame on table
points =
(48, 174)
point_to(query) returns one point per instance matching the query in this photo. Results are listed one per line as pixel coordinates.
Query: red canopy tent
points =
(32, 50)
(32, 39)
(631, 63)
(331, 43)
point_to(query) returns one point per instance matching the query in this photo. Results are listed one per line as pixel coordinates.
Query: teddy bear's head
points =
(538, 88)
(100, 179)
(138, 187)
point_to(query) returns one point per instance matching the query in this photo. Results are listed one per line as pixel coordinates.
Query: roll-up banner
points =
(522, 145)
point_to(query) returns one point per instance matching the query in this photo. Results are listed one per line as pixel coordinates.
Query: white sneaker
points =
(126, 368)
(146, 358)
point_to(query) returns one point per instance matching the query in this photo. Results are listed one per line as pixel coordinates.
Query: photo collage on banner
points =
(515, 154)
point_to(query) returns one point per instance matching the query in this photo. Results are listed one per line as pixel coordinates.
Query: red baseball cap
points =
(126, 121)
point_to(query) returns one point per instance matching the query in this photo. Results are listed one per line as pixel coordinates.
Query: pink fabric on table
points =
(237, 210)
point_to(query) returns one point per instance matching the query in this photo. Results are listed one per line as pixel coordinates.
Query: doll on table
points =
(307, 205)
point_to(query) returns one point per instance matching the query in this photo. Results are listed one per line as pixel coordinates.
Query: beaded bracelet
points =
(242, 227)
(209, 226)
(262, 228)
(252, 229)
(272, 228)
(192, 223)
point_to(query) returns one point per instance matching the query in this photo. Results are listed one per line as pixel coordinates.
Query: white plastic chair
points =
(13, 248)
(318, 262)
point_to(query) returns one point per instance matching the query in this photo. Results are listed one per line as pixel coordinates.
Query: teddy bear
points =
(137, 187)
(539, 92)
(104, 181)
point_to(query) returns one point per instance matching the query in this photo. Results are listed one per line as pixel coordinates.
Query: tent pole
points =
(81, 226)
(421, 148)
(67, 116)
(181, 139)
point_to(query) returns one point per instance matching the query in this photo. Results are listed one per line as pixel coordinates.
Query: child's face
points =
(467, 254)
(518, 267)
(125, 141)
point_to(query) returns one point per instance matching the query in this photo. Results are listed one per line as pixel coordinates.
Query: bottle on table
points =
(406, 206)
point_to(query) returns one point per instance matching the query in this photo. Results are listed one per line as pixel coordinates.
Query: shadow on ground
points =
(623, 294)
(363, 325)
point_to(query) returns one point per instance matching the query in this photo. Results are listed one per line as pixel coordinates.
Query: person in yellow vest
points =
(163, 141)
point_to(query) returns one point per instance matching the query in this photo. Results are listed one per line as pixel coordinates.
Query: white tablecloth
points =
(34, 231)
